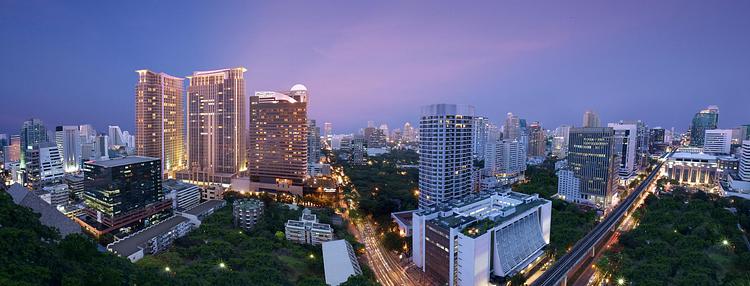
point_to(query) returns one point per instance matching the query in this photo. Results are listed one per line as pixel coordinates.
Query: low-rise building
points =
(339, 262)
(183, 195)
(693, 169)
(307, 230)
(247, 212)
(212, 192)
(75, 185)
(493, 233)
(49, 215)
(56, 195)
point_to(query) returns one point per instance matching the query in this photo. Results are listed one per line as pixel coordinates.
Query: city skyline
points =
(632, 61)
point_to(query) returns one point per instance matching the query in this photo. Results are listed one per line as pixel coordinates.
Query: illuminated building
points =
(592, 160)
(216, 125)
(691, 168)
(44, 165)
(484, 235)
(705, 119)
(33, 133)
(159, 120)
(626, 148)
(591, 119)
(445, 159)
(512, 127)
(537, 140)
(480, 136)
(717, 141)
(278, 140)
(560, 142)
(68, 141)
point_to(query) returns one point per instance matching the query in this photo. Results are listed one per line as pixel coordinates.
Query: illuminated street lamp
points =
(222, 265)
(166, 269)
(725, 242)
(312, 256)
(620, 281)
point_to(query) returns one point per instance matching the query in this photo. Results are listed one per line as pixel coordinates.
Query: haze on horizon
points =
(75, 62)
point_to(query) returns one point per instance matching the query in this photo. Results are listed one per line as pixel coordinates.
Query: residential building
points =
(480, 236)
(512, 127)
(358, 149)
(409, 134)
(591, 119)
(122, 192)
(537, 140)
(339, 262)
(568, 186)
(445, 160)
(374, 137)
(307, 230)
(705, 119)
(278, 153)
(505, 158)
(212, 192)
(560, 141)
(68, 141)
(159, 119)
(592, 157)
(183, 195)
(115, 133)
(12, 152)
(480, 136)
(247, 212)
(718, 141)
(314, 151)
(739, 183)
(215, 126)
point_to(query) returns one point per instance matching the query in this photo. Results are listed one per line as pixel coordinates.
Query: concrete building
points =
(215, 126)
(247, 212)
(44, 165)
(68, 141)
(183, 195)
(33, 132)
(314, 149)
(307, 230)
(505, 158)
(592, 159)
(159, 120)
(485, 235)
(626, 146)
(512, 127)
(591, 119)
(75, 185)
(445, 160)
(213, 192)
(339, 262)
(480, 137)
(537, 140)
(694, 169)
(705, 119)
(717, 141)
(560, 141)
(56, 195)
(12, 152)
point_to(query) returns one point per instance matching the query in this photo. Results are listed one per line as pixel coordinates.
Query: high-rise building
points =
(68, 142)
(480, 136)
(505, 158)
(88, 133)
(591, 119)
(537, 140)
(122, 192)
(115, 136)
(33, 133)
(44, 165)
(658, 139)
(374, 137)
(705, 119)
(591, 157)
(512, 127)
(445, 161)
(216, 124)
(12, 152)
(357, 149)
(159, 118)
(560, 141)
(409, 134)
(744, 172)
(101, 147)
(313, 144)
(626, 148)
(718, 141)
(744, 132)
(277, 157)
(328, 133)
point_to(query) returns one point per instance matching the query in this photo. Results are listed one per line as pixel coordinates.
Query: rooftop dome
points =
(298, 87)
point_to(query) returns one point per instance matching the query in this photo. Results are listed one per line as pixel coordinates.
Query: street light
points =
(167, 269)
(222, 265)
(725, 242)
(620, 281)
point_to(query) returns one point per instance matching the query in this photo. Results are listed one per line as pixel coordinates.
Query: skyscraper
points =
(480, 136)
(626, 147)
(705, 119)
(216, 124)
(278, 139)
(512, 129)
(115, 136)
(159, 120)
(328, 133)
(68, 142)
(560, 141)
(537, 140)
(33, 133)
(591, 119)
(409, 134)
(12, 152)
(744, 172)
(591, 158)
(505, 158)
(313, 144)
(445, 161)
(43, 165)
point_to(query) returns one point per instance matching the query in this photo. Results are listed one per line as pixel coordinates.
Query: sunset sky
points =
(659, 61)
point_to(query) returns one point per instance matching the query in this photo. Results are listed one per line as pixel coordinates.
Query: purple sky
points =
(660, 62)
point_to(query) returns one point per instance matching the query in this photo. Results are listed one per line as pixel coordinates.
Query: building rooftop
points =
(248, 204)
(50, 216)
(133, 243)
(172, 184)
(692, 156)
(338, 263)
(204, 207)
(121, 161)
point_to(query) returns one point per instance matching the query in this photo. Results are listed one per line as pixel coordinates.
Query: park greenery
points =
(215, 254)
(683, 238)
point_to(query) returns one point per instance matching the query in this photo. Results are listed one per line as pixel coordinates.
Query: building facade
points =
(44, 165)
(626, 145)
(694, 169)
(68, 141)
(705, 119)
(159, 120)
(592, 159)
(307, 230)
(247, 212)
(591, 119)
(33, 132)
(718, 141)
(537, 140)
(445, 159)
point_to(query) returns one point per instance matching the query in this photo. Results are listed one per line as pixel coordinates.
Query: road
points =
(581, 250)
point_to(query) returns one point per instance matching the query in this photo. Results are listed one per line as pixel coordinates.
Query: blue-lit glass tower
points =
(706, 119)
